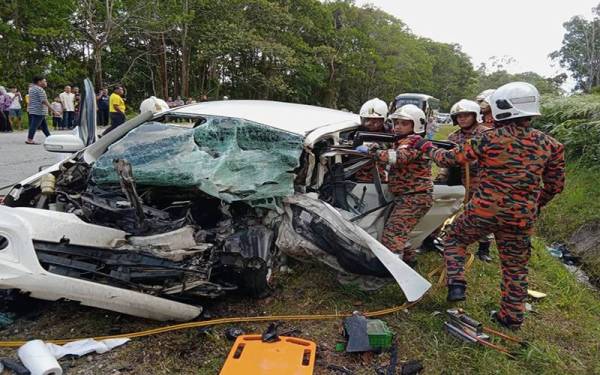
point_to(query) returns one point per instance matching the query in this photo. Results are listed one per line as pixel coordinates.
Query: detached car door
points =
(87, 114)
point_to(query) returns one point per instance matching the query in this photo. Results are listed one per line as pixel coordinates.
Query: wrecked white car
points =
(197, 201)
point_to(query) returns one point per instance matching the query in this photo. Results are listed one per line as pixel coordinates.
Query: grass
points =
(576, 206)
(444, 131)
(24, 125)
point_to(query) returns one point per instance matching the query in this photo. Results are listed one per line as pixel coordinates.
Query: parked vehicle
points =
(427, 103)
(444, 118)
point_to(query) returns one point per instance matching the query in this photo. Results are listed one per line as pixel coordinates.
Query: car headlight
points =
(3, 242)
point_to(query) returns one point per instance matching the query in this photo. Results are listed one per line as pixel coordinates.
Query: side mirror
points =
(66, 143)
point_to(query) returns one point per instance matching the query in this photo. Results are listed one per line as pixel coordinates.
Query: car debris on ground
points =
(561, 251)
(469, 330)
(40, 358)
(366, 334)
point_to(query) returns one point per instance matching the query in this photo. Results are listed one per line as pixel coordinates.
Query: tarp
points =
(231, 159)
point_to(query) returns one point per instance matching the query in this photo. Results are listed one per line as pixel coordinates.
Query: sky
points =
(525, 30)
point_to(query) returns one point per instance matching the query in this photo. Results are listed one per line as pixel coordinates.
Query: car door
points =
(87, 114)
(368, 204)
(447, 200)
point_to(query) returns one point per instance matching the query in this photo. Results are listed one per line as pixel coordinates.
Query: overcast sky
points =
(526, 30)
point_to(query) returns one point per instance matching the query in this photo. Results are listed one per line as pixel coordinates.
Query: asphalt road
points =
(19, 160)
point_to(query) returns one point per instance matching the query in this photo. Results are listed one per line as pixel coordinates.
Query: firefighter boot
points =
(456, 292)
(483, 253)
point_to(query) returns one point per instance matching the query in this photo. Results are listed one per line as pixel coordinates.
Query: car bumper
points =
(21, 269)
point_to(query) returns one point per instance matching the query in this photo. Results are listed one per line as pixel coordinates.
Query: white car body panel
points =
(296, 118)
(19, 267)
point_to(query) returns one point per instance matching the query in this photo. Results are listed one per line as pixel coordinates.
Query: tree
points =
(580, 51)
(498, 78)
(99, 22)
(452, 72)
(329, 53)
(37, 38)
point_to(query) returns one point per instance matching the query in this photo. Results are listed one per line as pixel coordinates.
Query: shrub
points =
(574, 121)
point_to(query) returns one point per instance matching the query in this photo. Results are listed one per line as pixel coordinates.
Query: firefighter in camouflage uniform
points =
(521, 170)
(372, 119)
(465, 114)
(484, 105)
(409, 181)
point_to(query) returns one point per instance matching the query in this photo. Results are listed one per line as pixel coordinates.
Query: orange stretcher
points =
(288, 356)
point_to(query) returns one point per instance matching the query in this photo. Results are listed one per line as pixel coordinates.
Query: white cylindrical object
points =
(48, 184)
(38, 359)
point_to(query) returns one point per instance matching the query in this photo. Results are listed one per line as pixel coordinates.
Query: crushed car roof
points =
(297, 118)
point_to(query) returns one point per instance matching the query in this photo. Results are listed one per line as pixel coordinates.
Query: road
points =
(19, 160)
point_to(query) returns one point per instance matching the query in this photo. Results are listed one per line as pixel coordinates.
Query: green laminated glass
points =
(231, 159)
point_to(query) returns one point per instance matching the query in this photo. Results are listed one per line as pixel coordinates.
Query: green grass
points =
(577, 205)
(24, 125)
(444, 131)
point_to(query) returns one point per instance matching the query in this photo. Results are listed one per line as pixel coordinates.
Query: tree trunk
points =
(162, 71)
(330, 99)
(185, 54)
(98, 66)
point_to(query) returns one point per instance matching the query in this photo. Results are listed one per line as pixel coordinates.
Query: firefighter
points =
(483, 95)
(409, 180)
(521, 170)
(465, 114)
(373, 114)
(484, 107)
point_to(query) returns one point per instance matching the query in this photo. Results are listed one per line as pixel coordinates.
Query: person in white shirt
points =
(67, 99)
(57, 116)
(14, 110)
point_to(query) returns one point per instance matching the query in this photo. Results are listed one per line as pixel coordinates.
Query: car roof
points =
(297, 118)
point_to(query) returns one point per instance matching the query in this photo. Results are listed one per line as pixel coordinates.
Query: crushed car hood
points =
(230, 159)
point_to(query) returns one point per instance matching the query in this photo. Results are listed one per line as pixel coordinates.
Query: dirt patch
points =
(585, 242)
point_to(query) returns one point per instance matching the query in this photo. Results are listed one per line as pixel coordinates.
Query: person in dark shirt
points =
(103, 107)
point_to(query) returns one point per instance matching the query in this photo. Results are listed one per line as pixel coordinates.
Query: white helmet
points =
(465, 106)
(515, 100)
(154, 105)
(414, 113)
(484, 105)
(374, 108)
(484, 94)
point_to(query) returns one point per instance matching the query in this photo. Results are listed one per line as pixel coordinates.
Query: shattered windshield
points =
(229, 158)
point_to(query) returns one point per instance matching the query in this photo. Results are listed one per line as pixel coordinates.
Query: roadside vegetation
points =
(575, 121)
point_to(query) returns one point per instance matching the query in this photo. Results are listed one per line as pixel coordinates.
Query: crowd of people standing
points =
(64, 108)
